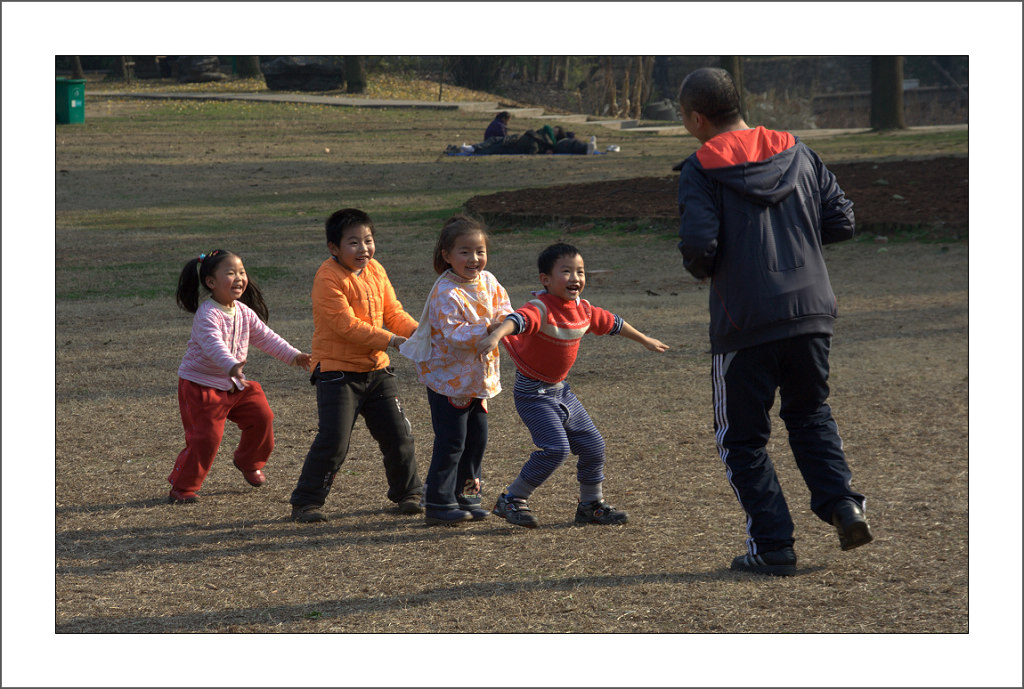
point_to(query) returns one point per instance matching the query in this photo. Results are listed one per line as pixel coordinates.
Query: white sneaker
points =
(466, 148)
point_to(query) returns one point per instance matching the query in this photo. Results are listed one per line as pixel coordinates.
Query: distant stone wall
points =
(921, 107)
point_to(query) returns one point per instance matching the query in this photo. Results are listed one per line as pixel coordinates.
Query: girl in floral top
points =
(464, 306)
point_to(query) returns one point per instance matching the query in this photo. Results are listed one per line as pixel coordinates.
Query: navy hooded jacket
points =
(756, 206)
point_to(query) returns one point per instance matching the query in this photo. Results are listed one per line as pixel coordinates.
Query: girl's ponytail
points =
(188, 285)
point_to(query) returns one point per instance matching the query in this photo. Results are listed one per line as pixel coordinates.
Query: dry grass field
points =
(141, 187)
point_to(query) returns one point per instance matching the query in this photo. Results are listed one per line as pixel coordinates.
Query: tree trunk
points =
(249, 67)
(626, 90)
(479, 72)
(537, 69)
(123, 67)
(564, 71)
(887, 92)
(733, 64)
(609, 86)
(76, 67)
(638, 86)
(648, 79)
(355, 77)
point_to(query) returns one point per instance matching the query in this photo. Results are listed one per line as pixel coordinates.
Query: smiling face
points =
(566, 279)
(468, 255)
(228, 281)
(355, 249)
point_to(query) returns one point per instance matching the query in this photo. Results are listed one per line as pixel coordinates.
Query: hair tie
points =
(199, 267)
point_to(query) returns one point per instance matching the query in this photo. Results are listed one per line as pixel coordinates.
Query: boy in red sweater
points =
(543, 338)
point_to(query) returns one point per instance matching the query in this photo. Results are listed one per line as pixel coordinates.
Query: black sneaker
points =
(779, 563)
(599, 512)
(853, 529)
(308, 513)
(515, 511)
(411, 504)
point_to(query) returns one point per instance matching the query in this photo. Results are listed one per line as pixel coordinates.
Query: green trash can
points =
(70, 101)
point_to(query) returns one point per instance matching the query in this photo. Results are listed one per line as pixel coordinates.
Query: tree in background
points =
(733, 64)
(249, 67)
(355, 74)
(887, 92)
(76, 67)
(479, 72)
(123, 67)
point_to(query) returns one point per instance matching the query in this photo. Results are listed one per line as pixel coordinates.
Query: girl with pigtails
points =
(212, 387)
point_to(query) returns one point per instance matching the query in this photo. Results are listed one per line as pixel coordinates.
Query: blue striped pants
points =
(559, 425)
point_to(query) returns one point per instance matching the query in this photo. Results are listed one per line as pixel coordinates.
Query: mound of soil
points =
(927, 196)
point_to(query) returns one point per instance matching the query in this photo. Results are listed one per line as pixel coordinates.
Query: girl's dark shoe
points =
(447, 517)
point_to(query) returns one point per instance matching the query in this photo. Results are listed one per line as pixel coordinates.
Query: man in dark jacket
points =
(756, 206)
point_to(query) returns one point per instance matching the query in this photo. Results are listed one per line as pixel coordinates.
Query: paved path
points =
(486, 107)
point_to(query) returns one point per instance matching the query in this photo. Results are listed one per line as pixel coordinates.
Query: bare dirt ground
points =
(925, 196)
(134, 201)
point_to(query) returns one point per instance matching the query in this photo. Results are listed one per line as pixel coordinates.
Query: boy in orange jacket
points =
(356, 318)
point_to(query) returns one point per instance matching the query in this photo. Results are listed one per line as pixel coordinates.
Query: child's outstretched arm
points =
(488, 344)
(302, 360)
(637, 336)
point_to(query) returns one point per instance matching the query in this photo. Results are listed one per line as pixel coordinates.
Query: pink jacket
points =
(220, 339)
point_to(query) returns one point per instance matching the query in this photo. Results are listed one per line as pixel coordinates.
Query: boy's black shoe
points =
(411, 504)
(308, 514)
(853, 529)
(599, 512)
(515, 511)
(779, 563)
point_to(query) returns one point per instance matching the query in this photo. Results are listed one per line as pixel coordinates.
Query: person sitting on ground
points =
(499, 126)
(547, 139)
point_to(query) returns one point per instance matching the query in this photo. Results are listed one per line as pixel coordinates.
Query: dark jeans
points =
(342, 396)
(744, 384)
(460, 438)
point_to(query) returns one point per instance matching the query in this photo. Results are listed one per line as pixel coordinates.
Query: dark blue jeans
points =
(341, 397)
(460, 438)
(744, 384)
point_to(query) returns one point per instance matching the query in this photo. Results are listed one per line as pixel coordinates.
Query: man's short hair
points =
(711, 92)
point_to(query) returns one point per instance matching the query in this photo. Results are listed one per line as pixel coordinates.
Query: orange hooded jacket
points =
(354, 317)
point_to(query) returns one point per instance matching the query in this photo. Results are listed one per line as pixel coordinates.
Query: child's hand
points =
(302, 359)
(485, 346)
(235, 374)
(396, 341)
(654, 345)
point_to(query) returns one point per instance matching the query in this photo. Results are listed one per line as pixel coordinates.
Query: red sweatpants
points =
(203, 411)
